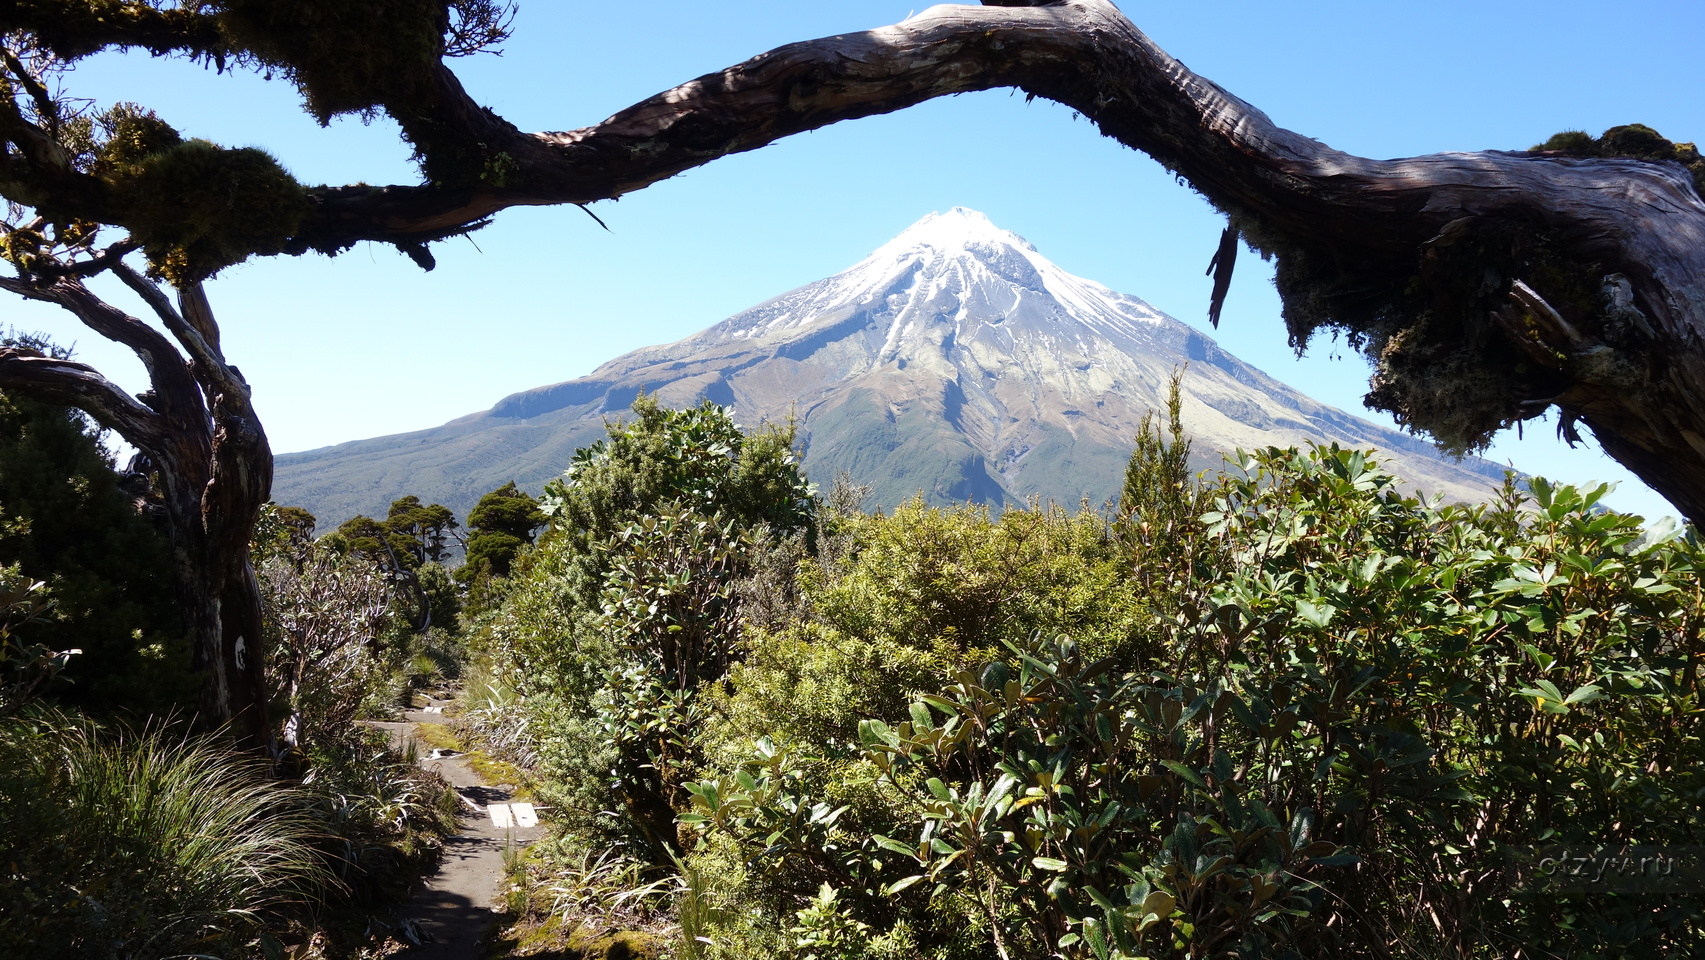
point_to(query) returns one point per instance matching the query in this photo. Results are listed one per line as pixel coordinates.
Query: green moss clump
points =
(1634, 140)
(1570, 141)
(619, 945)
(22, 248)
(437, 735)
(344, 57)
(74, 30)
(130, 135)
(197, 207)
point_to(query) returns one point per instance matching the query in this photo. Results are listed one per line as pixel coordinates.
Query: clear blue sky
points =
(367, 344)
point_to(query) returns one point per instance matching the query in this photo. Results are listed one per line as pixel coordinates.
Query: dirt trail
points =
(452, 912)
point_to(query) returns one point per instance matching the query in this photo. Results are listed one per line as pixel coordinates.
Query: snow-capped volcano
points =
(955, 360)
(958, 260)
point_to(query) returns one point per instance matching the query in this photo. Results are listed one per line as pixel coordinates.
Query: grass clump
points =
(438, 736)
(139, 844)
(569, 900)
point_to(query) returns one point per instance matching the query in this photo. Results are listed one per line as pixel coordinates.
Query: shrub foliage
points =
(1289, 711)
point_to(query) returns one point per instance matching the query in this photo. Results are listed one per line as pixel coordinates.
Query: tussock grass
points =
(142, 843)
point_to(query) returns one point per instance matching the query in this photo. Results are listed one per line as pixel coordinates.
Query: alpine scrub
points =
(1344, 727)
(1289, 711)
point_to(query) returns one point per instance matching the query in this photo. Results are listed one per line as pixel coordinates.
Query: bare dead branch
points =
(88, 266)
(194, 328)
(478, 26)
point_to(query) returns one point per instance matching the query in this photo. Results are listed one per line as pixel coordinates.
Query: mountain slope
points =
(955, 360)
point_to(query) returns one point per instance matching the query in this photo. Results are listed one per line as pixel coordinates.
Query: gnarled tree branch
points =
(194, 328)
(173, 386)
(82, 386)
(1415, 258)
(72, 33)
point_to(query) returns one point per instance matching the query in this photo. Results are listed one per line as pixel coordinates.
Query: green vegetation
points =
(137, 842)
(78, 530)
(143, 844)
(627, 607)
(411, 545)
(1289, 711)
(500, 526)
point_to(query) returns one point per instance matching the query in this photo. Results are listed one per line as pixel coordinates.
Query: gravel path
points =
(454, 912)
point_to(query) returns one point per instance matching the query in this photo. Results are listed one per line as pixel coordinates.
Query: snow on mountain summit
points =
(960, 228)
(954, 268)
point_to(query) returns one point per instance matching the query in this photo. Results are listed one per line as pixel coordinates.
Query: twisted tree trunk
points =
(209, 465)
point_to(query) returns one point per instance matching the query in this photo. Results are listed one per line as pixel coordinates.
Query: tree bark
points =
(211, 467)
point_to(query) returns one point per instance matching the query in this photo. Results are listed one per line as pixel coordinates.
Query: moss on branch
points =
(1634, 140)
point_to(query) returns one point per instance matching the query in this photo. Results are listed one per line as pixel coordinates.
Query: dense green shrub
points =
(25, 668)
(916, 597)
(500, 527)
(1342, 730)
(106, 563)
(628, 605)
(1539, 652)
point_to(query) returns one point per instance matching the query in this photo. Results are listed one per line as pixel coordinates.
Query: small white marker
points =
(512, 815)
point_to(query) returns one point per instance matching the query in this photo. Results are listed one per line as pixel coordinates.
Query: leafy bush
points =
(25, 668)
(915, 598)
(629, 605)
(1053, 804)
(105, 561)
(1538, 654)
(1338, 730)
